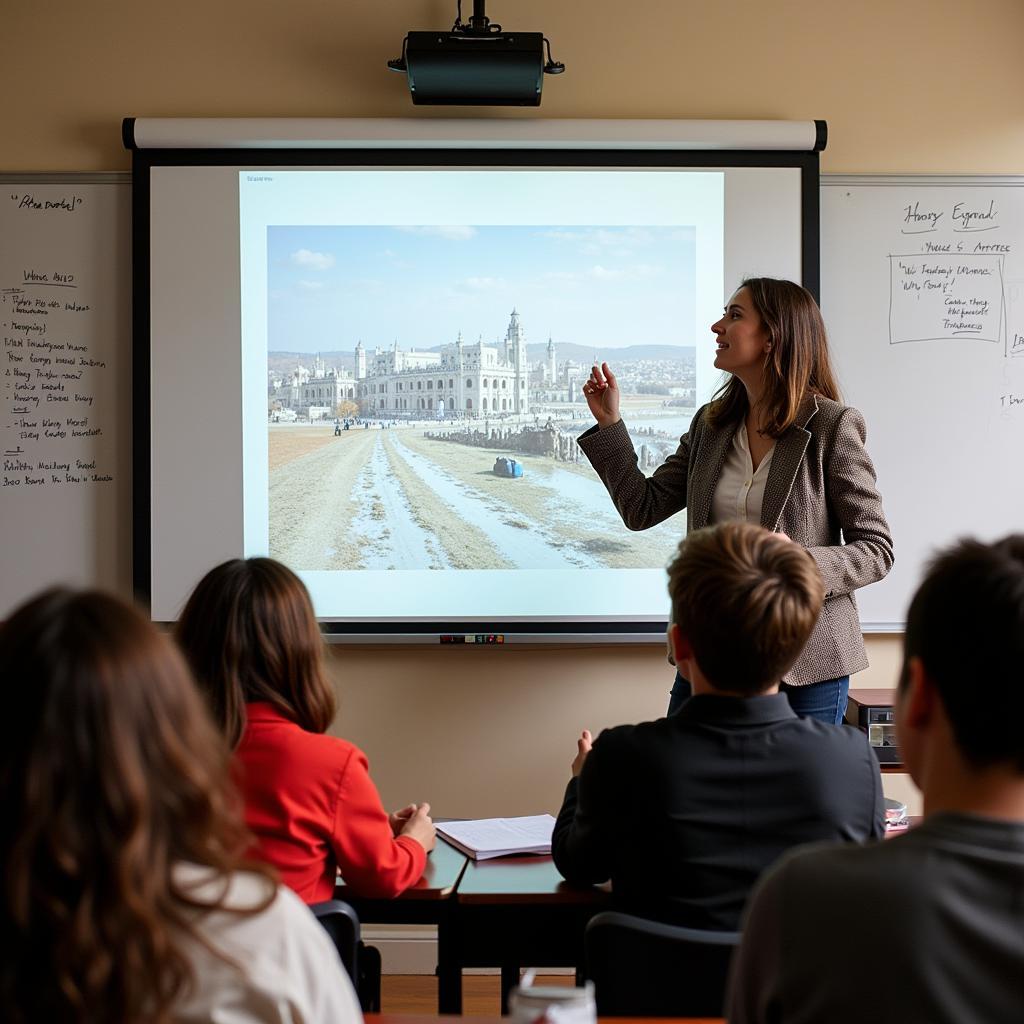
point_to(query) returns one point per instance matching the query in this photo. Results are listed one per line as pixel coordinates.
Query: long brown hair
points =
(250, 634)
(112, 775)
(798, 364)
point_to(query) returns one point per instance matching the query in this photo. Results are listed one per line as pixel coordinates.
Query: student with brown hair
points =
(126, 892)
(251, 637)
(684, 813)
(775, 447)
(928, 926)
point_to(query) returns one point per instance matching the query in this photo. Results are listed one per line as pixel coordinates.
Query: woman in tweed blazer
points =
(780, 407)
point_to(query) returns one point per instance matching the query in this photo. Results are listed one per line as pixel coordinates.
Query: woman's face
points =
(742, 340)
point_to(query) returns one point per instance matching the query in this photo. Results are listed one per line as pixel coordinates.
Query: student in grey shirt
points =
(928, 926)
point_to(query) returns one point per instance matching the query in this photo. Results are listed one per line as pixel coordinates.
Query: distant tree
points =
(346, 408)
(275, 405)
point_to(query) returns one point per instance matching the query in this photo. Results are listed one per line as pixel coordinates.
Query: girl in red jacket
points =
(250, 634)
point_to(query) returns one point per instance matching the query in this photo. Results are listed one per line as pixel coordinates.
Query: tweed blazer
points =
(820, 492)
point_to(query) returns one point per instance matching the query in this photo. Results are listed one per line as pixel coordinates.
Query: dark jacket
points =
(685, 813)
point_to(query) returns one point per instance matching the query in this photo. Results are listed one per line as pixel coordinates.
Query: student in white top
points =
(127, 896)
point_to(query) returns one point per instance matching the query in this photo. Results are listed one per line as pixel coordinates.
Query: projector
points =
(476, 64)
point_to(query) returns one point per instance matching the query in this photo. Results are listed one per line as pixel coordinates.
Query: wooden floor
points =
(481, 993)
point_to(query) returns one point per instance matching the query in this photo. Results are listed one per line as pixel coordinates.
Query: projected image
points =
(424, 391)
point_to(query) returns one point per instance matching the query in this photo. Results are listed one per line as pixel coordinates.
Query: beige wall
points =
(924, 86)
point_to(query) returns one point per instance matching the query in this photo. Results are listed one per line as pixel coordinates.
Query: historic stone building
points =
(460, 381)
(315, 393)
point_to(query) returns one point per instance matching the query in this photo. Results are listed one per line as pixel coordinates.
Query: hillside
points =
(282, 362)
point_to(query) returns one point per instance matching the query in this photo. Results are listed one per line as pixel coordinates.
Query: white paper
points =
(496, 837)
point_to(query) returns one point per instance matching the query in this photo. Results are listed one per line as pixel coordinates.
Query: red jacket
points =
(313, 808)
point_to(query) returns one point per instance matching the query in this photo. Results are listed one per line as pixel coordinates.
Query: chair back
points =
(644, 968)
(340, 922)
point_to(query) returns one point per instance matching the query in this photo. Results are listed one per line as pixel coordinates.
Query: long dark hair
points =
(112, 774)
(798, 364)
(250, 634)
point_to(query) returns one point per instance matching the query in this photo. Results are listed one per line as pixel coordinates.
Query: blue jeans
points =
(825, 701)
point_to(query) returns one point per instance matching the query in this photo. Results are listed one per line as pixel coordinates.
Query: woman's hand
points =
(602, 394)
(398, 819)
(583, 745)
(420, 827)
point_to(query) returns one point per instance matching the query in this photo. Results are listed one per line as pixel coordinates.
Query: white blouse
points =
(739, 493)
(283, 968)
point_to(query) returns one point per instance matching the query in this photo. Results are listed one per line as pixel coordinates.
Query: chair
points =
(362, 962)
(644, 968)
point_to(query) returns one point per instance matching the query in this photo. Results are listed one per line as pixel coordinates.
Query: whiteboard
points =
(923, 294)
(65, 386)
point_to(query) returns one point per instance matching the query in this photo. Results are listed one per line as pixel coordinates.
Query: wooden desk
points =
(433, 1018)
(513, 912)
(444, 868)
(429, 901)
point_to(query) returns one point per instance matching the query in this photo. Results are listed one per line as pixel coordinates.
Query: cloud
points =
(621, 240)
(311, 286)
(631, 272)
(312, 260)
(601, 273)
(481, 284)
(449, 232)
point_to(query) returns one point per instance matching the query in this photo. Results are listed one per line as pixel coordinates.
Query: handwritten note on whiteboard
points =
(923, 295)
(64, 386)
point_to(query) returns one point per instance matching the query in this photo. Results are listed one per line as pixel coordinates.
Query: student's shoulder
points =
(882, 871)
(621, 739)
(835, 741)
(285, 956)
(255, 911)
(312, 750)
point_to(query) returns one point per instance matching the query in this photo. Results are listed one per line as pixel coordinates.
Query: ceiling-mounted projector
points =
(476, 63)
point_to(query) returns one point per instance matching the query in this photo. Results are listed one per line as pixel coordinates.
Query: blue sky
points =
(604, 287)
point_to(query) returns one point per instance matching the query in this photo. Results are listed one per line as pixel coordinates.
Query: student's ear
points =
(919, 698)
(682, 650)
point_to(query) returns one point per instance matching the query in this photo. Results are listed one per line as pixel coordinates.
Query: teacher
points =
(774, 446)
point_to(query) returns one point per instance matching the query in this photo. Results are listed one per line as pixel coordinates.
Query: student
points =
(251, 637)
(683, 814)
(928, 926)
(775, 447)
(125, 893)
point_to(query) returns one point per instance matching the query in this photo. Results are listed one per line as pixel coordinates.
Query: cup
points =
(552, 1004)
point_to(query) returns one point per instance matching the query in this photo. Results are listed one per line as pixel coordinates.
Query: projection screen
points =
(366, 361)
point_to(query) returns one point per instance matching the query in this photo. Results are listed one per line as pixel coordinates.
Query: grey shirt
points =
(927, 926)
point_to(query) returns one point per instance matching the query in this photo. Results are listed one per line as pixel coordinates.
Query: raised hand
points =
(602, 393)
(583, 745)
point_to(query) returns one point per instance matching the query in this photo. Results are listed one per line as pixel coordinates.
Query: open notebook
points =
(484, 838)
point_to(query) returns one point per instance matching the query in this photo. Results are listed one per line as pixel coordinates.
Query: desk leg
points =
(509, 980)
(449, 965)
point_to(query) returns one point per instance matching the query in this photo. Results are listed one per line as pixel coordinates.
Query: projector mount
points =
(478, 27)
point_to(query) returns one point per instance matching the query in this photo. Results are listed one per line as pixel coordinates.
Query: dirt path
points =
(312, 507)
(465, 546)
(566, 497)
(393, 499)
(388, 533)
(527, 543)
(286, 443)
